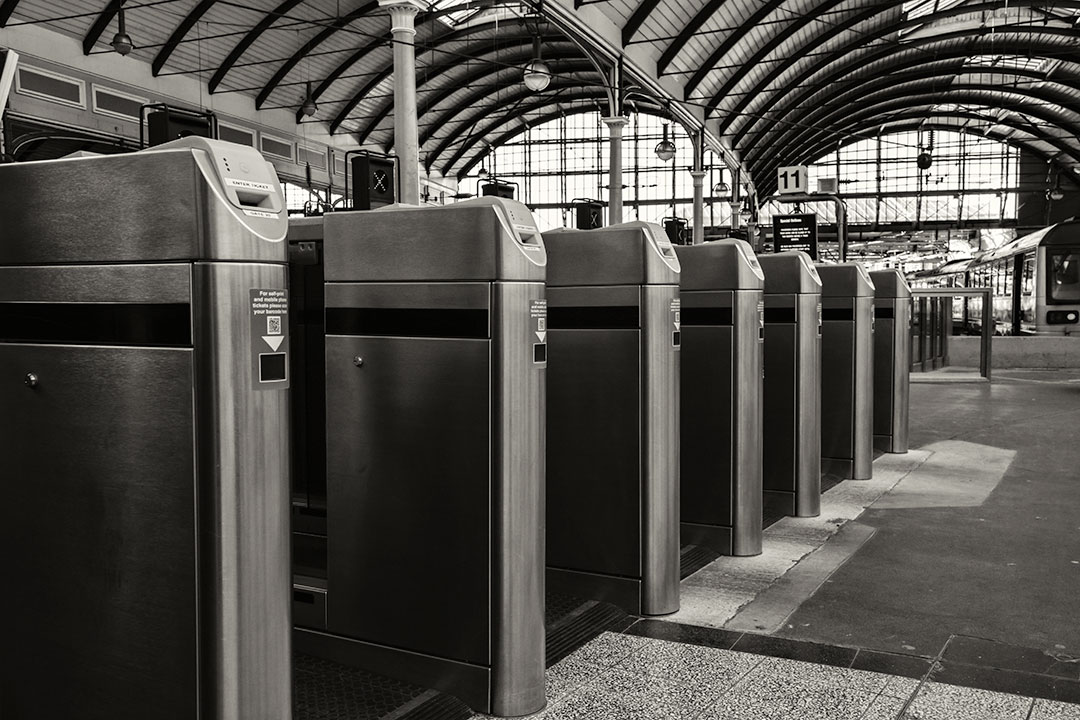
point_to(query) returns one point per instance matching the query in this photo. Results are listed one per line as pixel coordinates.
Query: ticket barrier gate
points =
(892, 353)
(792, 386)
(435, 372)
(144, 355)
(723, 332)
(847, 375)
(613, 422)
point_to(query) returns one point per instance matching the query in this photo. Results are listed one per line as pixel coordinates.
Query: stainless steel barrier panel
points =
(892, 353)
(847, 371)
(613, 416)
(435, 372)
(723, 330)
(792, 386)
(144, 356)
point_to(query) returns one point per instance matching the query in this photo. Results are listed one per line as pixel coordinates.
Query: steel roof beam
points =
(514, 102)
(476, 51)
(707, 11)
(178, 35)
(804, 108)
(763, 11)
(248, 40)
(7, 7)
(795, 86)
(901, 99)
(323, 35)
(827, 112)
(101, 23)
(633, 24)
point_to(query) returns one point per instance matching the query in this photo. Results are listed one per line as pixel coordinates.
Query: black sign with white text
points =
(795, 232)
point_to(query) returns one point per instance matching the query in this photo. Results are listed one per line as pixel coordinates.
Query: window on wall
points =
(567, 159)
(972, 178)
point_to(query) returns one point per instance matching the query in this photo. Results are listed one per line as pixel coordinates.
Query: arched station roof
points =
(778, 81)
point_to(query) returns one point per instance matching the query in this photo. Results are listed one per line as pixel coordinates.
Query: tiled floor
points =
(629, 677)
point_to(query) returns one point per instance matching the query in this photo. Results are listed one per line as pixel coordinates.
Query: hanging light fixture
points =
(121, 41)
(309, 106)
(665, 149)
(482, 172)
(537, 74)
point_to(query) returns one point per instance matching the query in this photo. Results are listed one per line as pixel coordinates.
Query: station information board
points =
(795, 232)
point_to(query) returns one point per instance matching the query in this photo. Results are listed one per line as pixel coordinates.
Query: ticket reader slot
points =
(434, 452)
(613, 384)
(721, 289)
(145, 456)
(847, 371)
(892, 353)
(792, 386)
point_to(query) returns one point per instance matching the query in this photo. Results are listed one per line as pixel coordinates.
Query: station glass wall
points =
(566, 159)
(972, 178)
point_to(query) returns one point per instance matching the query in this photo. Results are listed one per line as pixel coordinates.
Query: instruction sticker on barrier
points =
(538, 320)
(676, 320)
(270, 339)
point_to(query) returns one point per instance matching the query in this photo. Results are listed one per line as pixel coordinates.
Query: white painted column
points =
(699, 206)
(615, 180)
(406, 138)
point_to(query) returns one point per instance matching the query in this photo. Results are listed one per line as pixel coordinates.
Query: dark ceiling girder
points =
(695, 24)
(248, 40)
(837, 28)
(853, 63)
(514, 101)
(432, 101)
(782, 131)
(311, 44)
(633, 24)
(535, 122)
(573, 66)
(823, 116)
(765, 50)
(100, 24)
(730, 42)
(6, 9)
(464, 82)
(901, 99)
(473, 51)
(178, 34)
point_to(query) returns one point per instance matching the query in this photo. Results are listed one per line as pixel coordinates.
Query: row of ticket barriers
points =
(390, 429)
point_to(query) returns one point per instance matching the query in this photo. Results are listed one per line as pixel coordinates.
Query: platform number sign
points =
(791, 179)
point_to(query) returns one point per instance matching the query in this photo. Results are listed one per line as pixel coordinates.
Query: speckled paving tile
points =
(772, 697)
(596, 703)
(678, 698)
(804, 673)
(884, 707)
(690, 665)
(568, 674)
(608, 648)
(937, 701)
(1051, 710)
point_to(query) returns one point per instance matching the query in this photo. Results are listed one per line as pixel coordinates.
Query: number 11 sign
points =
(791, 179)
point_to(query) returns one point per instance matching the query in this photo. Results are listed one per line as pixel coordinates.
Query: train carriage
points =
(1035, 281)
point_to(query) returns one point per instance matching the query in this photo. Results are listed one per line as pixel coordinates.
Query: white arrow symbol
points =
(676, 326)
(274, 341)
(542, 336)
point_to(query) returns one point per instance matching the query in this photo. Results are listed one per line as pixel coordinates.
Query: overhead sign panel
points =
(791, 179)
(795, 232)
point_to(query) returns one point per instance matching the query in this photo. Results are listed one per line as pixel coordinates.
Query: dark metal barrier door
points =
(107, 505)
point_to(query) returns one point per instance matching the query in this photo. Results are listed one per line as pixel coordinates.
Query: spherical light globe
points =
(122, 43)
(537, 76)
(665, 150)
